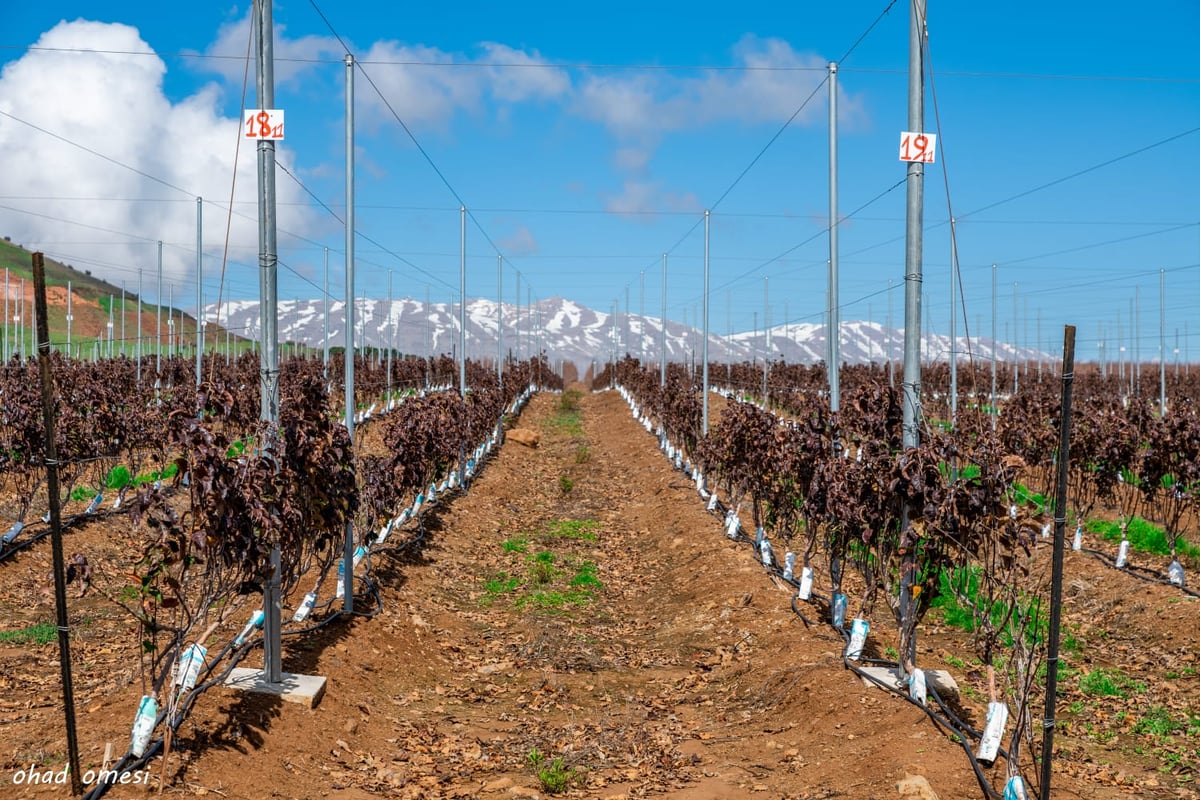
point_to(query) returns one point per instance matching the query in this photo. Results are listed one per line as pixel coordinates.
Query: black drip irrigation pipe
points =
(944, 717)
(1151, 576)
(129, 762)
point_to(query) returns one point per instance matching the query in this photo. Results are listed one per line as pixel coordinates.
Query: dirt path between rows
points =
(577, 614)
(686, 674)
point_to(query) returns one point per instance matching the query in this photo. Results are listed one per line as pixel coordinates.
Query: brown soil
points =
(686, 675)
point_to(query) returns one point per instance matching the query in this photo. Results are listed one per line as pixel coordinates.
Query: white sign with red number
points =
(917, 146)
(262, 123)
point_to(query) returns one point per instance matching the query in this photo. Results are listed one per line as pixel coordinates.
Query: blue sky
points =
(587, 145)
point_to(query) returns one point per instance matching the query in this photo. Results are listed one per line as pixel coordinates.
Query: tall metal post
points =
(268, 262)
(891, 357)
(70, 319)
(833, 334)
(122, 318)
(348, 542)
(5, 352)
(953, 326)
(642, 319)
(1016, 344)
(199, 282)
(994, 412)
(766, 339)
(158, 316)
(1137, 340)
(391, 345)
(139, 327)
(704, 346)
(462, 301)
(1162, 343)
(911, 386)
(499, 319)
(325, 306)
(517, 327)
(662, 356)
(628, 324)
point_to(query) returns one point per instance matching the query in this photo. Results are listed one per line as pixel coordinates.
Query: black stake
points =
(60, 576)
(1056, 575)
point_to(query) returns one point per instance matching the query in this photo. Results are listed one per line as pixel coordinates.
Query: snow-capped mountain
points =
(567, 331)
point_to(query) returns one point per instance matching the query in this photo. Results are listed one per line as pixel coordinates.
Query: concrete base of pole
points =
(937, 679)
(306, 690)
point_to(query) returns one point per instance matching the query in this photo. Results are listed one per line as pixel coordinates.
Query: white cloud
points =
(775, 82)
(520, 243)
(646, 197)
(84, 89)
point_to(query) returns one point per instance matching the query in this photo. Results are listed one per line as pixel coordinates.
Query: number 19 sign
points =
(917, 146)
(262, 123)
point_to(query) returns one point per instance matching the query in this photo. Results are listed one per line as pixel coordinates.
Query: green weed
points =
(554, 775)
(1143, 536)
(517, 544)
(39, 633)
(583, 454)
(584, 529)
(118, 477)
(1109, 683)
(565, 484)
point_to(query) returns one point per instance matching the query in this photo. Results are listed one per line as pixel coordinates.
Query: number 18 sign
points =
(917, 146)
(262, 123)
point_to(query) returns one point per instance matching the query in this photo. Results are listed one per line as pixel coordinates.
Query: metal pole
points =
(1162, 343)
(767, 335)
(139, 327)
(628, 324)
(833, 334)
(642, 319)
(70, 318)
(662, 356)
(499, 319)
(1056, 570)
(391, 344)
(158, 315)
(122, 318)
(348, 543)
(5, 352)
(704, 346)
(199, 281)
(891, 357)
(994, 411)
(953, 326)
(462, 301)
(518, 325)
(268, 262)
(1015, 344)
(911, 386)
(60, 575)
(325, 305)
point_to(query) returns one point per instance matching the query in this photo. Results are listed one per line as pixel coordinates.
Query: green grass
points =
(958, 593)
(1159, 722)
(517, 544)
(1023, 495)
(1109, 683)
(39, 633)
(583, 529)
(565, 484)
(83, 493)
(583, 454)
(1143, 536)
